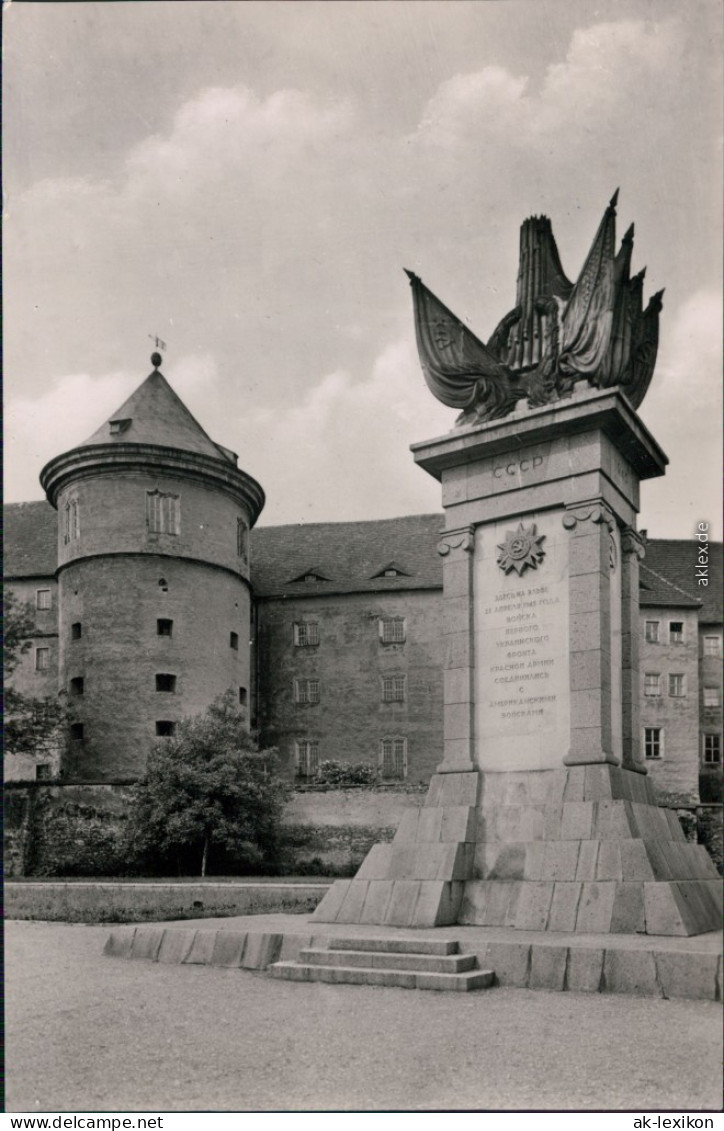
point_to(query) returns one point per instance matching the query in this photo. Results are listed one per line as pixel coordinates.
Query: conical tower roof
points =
(155, 414)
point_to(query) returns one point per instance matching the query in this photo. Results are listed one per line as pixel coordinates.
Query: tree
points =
(33, 725)
(208, 792)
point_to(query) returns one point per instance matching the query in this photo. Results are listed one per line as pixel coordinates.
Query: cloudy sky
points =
(247, 181)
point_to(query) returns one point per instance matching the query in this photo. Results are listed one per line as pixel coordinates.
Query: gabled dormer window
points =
(311, 575)
(119, 426)
(392, 569)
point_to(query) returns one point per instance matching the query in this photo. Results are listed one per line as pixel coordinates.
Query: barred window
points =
(651, 631)
(711, 696)
(677, 686)
(392, 630)
(393, 688)
(393, 758)
(242, 539)
(42, 598)
(306, 690)
(72, 521)
(652, 683)
(42, 659)
(163, 513)
(712, 749)
(712, 645)
(306, 754)
(653, 742)
(676, 632)
(306, 634)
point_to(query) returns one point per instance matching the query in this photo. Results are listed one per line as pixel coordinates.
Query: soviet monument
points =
(541, 815)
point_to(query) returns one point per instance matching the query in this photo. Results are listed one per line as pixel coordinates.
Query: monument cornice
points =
(605, 410)
(110, 459)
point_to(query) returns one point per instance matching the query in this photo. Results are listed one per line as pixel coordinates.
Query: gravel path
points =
(86, 1033)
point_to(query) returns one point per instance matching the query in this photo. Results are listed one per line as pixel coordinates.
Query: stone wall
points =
(676, 773)
(327, 833)
(350, 661)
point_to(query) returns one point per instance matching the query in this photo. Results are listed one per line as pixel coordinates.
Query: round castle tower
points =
(153, 579)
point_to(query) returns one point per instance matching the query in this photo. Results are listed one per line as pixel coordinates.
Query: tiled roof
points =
(352, 555)
(676, 563)
(155, 414)
(349, 554)
(30, 535)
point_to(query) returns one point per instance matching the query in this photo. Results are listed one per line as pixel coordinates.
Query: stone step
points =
(398, 946)
(403, 979)
(379, 960)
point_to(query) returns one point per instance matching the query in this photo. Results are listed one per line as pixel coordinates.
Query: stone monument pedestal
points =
(540, 815)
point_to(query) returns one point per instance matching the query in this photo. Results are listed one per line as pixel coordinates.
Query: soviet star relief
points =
(521, 548)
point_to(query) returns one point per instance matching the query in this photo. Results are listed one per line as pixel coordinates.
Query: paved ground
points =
(86, 1032)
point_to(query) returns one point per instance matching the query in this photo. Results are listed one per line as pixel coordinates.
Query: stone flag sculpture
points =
(558, 332)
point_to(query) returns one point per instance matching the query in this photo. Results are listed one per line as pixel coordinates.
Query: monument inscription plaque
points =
(522, 706)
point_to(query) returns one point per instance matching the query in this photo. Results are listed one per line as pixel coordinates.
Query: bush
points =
(210, 799)
(340, 774)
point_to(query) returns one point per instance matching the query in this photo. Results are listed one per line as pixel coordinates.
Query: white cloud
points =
(683, 409)
(343, 452)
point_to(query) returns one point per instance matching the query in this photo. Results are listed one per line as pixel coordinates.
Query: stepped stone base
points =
(388, 962)
(584, 849)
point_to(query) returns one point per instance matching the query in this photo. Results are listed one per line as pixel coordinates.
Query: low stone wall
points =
(330, 833)
(326, 832)
(96, 902)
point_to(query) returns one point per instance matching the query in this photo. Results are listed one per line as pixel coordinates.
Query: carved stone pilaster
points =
(590, 571)
(596, 513)
(632, 552)
(462, 539)
(457, 548)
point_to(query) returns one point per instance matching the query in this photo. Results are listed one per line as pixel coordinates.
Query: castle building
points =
(152, 595)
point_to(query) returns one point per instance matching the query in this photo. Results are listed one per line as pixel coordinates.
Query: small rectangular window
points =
(712, 645)
(163, 513)
(165, 682)
(652, 684)
(306, 634)
(42, 659)
(164, 627)
(676, 632)
(653, 742)
(42, 598)
(652, 632)
(42, 771)
(76, 631)
(307, 758)
(306, 690)
(242, 696)
(72, 521)
(77, 685)
(392, 630)
(76, 731)
(393, 688)
(165, 728)
(242, 539)
(677, 686)
(711, 696)
(393, 758)
(234, 641)
(712, 749)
